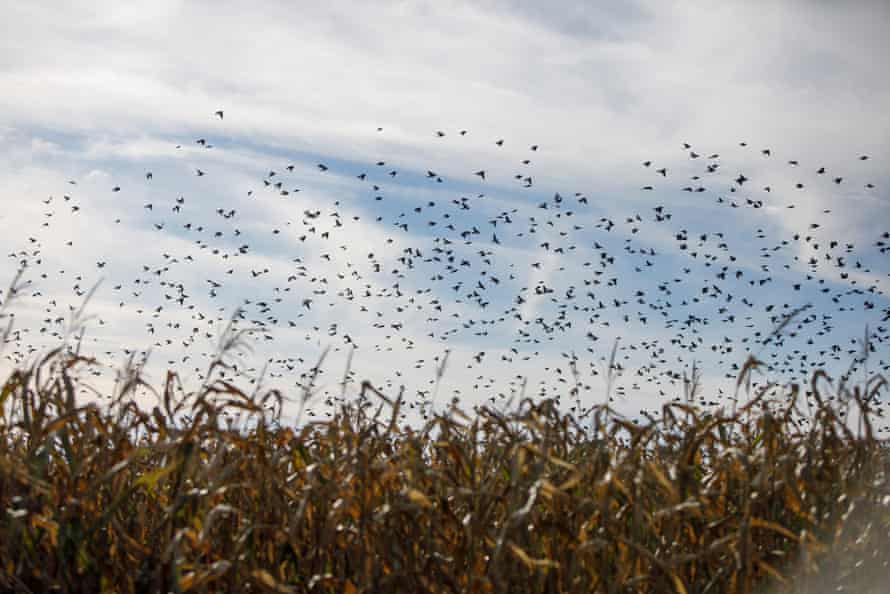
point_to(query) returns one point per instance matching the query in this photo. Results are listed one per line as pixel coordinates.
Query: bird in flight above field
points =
(530, 276)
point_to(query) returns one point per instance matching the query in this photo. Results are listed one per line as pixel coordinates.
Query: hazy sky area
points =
(513, 274)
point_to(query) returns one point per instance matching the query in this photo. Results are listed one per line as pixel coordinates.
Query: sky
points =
(576, 253)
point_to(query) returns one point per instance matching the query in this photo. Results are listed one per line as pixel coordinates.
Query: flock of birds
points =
(525, 278)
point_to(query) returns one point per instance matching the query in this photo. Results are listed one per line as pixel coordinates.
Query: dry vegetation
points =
(175, 499)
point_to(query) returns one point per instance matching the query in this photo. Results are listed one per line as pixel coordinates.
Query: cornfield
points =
(769, 497)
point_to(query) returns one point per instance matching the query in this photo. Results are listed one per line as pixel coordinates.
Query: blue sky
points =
(102, 93)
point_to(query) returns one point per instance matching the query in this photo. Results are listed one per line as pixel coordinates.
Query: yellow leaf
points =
(759, 523)
(570, 482)
(663, 481)
(417, 497)
(49, 525)
(548, 489)
(771, 570)
(265, 579)
(678, 584)
(150, 479)
(187, 581)
(59, 423)
(530, 562)
(562, 463)
(792, 501)
(521, 555)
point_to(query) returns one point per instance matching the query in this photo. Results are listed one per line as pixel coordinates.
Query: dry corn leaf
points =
(265, 579)
(417, 497)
